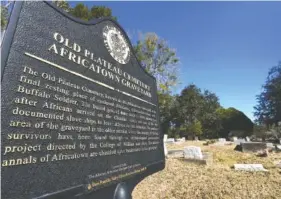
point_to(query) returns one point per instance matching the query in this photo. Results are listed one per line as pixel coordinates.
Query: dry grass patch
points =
(183, 180)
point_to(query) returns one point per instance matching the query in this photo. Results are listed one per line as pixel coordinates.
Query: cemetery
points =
(231, 174)
(87, 113)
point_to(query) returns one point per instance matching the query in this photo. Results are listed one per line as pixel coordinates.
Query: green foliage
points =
(260, 131)
(81, 11)
(101, 11)
(194, 129)
(4, 17)
(268, 108)
(233, 120)
(208, 116)
(166, 102)
(192, 105)
(266, 132)
(275, 131)
(62, 4)
(197, 113)
(158, 59)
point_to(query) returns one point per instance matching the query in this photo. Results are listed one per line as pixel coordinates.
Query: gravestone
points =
(232, 139)
(249, 167)
(221, 141)
(270, 145)
(248, 139)
(175, 153)
(253, 146)
(180, 140)
(80, 115)
(165, 137)
(170, 140)
(192, 152)
(165, 149)
(239, 141)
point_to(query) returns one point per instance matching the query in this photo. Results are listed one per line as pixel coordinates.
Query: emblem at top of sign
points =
(116, 44)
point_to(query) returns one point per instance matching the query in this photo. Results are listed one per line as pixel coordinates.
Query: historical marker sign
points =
(79, 114)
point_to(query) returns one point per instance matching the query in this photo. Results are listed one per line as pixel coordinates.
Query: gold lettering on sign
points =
(54, 117)
(65, 48)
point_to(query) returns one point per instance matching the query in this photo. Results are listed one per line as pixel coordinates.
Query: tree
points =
(81, 11)
(276, 131)
(4, 17)
(190, 103)
(234, 121)
(63, 5)
(185, 112)
(98, 12)
(260, 131)
(268, 109)
(191, 129)
(158, 59)
(194, 112)
(166, 103)
(208, 115)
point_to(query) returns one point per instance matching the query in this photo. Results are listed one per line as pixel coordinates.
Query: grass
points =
(183, 180)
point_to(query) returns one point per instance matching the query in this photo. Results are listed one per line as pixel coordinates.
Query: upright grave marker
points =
(79, 114)
(193, 152)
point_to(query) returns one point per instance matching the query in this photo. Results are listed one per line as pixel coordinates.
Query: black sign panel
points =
(79, 114)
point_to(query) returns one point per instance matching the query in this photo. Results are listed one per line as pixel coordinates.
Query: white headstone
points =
(170, 140)
(181, 139)
(165, 149)
(239, 141)
(269, 145)
(193, 152)
(178, 141)
(234, 139)
(248, 139)
(221, 141)
(165, 137)
(249, 167)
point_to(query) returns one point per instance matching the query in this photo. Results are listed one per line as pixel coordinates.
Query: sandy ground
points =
(184, 180)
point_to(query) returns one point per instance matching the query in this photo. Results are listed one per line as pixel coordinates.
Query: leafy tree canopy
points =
(158, 59)
(83, 12)
(268, 108)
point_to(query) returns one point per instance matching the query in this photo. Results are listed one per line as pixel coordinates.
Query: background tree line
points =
(198, 113)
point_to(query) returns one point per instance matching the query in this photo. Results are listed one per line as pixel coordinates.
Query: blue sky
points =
(226, 47)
